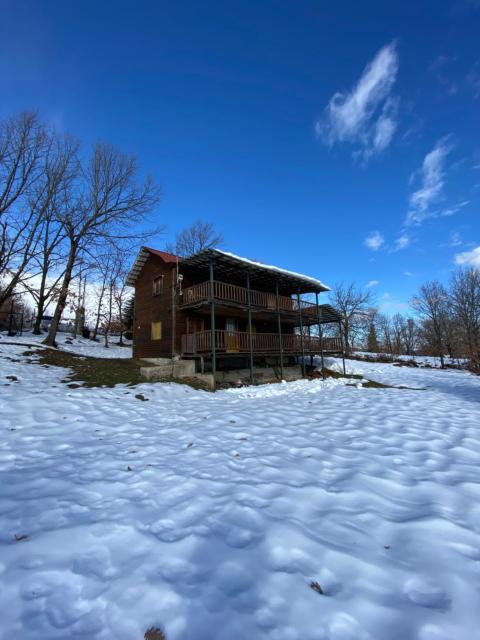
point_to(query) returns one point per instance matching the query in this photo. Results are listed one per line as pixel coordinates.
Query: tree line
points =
(444, 320)
(67, 214)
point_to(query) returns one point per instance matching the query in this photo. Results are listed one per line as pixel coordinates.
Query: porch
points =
(237, 342)
(223, 292)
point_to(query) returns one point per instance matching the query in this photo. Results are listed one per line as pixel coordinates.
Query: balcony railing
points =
(237, 342)
(224, 292)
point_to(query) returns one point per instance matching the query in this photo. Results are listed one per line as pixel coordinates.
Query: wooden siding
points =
(150, 308)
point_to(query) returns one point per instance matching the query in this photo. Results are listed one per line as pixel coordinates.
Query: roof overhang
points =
(228, 265)
(328, 314)
(142, 257)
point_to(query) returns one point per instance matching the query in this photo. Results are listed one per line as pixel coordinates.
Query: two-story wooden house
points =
(227, 312)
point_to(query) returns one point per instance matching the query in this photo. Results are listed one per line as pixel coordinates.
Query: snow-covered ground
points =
(209, 515)
(78, 345)
(431, 361)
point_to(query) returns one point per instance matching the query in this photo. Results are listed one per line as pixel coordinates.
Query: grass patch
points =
(88, 371)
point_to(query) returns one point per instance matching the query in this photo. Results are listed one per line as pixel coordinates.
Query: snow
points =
(431, 361)
(79, 345)
(209, 515)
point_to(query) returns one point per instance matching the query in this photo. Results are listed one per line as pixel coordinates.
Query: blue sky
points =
(338, 139)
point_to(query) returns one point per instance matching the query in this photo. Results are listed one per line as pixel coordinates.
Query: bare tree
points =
(353, 304)
(200, 235)
(107, 203)
(46, 266)
(431, 303)
(465, 301)
(23, 144)
(112, 268)
(409, 336)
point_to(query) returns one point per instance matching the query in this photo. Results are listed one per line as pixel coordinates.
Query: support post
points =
(250, 339)
(212, 325)
(280, 340)
(302, 344)
(320, 334)
(343, 347)
(310, 346)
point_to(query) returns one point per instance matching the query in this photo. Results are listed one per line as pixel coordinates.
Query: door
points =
(231, 336)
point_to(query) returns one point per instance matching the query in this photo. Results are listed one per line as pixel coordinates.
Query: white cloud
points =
(354, 117)
(373, 283)
(401, 242)
(432, 182)
(449, 211)
(409, 274)
(469, 258)
(374, 241)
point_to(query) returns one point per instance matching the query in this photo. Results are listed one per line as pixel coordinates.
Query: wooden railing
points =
(223, 291)
(237, 342)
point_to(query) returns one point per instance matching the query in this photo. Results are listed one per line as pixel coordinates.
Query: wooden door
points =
(231, 336)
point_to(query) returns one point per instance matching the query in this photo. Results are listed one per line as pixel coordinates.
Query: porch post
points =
(320, 333)
(250, 340)
(212, 324)
(343, 347)
(310, 346)
(301, 334)
(280, 340)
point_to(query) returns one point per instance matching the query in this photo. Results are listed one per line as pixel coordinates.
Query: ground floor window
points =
(156, 330)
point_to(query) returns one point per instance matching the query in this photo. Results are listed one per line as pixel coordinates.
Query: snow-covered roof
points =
(226, 263)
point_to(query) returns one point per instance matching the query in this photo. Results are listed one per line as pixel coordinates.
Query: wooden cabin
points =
(227, 312)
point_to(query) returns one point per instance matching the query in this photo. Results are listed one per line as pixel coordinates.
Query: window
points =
(156, 330)
(157, 286)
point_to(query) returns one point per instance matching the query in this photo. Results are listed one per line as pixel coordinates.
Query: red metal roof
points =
(166, 257)
(142, 258)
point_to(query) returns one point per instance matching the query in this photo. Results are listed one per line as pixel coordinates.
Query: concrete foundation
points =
(168, 368)
(162, 368)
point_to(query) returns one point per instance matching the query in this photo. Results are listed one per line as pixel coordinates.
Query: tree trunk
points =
(40, 304)
(99, 311)
(62, 298)
(38, 319)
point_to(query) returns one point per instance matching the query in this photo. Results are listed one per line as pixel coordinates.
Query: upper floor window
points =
(157, 286)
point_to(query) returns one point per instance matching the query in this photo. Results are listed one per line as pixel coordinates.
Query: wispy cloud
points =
(402, 242)
(374, 241)
(455, 239)
(450, 211)
(367, 115)
(432, 181)
(469, 258)
(372, 283)
(409, 274)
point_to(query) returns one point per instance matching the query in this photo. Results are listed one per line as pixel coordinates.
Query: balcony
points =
(199, 294)
(236, 342)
